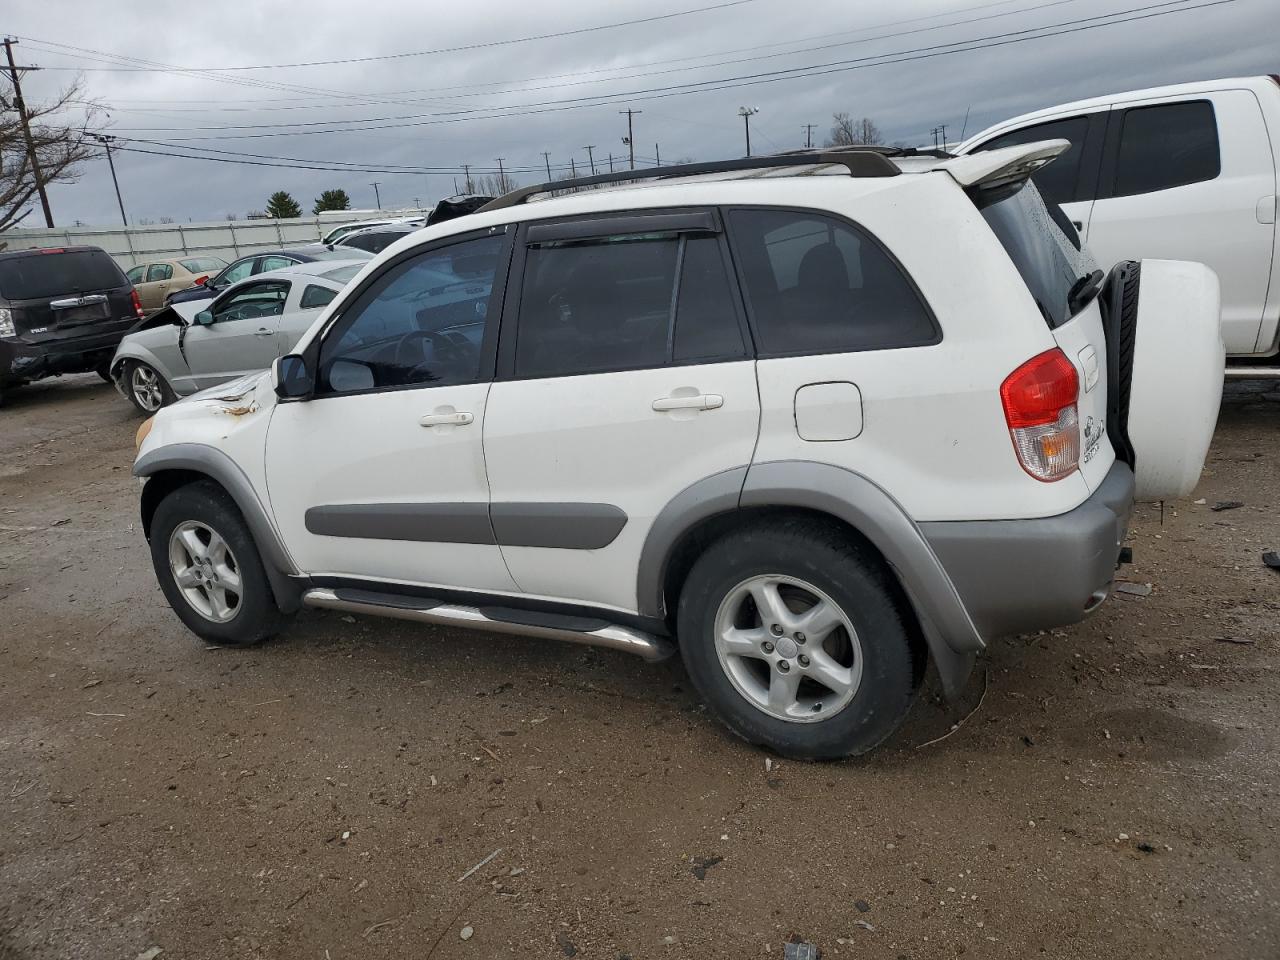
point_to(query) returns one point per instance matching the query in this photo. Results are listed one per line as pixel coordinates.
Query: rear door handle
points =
(702, 401)
(459, 419)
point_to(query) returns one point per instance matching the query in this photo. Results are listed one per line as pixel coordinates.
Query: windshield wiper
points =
(1083, 291)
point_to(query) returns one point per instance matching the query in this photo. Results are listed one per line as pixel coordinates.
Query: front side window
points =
(134, 275)
(820, 285)
(623, 303)
(315, 296)
(236, 272)
(1058, 180)
(1168, 145)
(253, 302)
(159, 271)
(275, 263)
(421, 323)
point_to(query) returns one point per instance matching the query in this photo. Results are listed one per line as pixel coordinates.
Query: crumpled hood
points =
(235, 390)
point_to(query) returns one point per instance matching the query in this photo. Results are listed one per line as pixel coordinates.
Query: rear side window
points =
(820, 285)
(1058, 180)
(203, 264)
(1047, 260)
(623, 303)
(314, 296)
(1168, 145)
(58, 274)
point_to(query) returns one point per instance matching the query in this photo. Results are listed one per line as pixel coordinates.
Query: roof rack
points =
(860, 162)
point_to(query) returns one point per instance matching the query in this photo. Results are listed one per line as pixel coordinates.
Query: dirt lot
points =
(1114, 794)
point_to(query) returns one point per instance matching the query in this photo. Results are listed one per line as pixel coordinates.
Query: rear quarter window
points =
(58, 274)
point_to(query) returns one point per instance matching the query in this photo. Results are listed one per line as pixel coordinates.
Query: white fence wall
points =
(227, 239)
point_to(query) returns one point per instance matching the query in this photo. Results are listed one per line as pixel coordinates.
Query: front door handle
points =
(459, 418)
(264, 332)
(701, 401)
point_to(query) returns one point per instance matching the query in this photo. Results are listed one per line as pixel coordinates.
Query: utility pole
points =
(376, 196)
(106, 142)
(630, 138)
(808, 135)
(26, 129)
(657, 154)
(943, 128)
(611, 163)
(591, 157)
(502, 177)
(547, 157)
(455, 186)
(746, 113)
(573, 169)
(466, 168)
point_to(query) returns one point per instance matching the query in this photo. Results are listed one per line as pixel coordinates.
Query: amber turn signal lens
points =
(143, 430)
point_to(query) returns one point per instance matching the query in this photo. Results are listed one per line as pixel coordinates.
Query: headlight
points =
(7, 328)
(143, 430)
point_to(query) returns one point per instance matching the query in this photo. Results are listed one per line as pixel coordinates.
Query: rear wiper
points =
(1083, 291)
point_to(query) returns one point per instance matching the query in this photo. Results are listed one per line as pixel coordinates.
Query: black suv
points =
(62, 310)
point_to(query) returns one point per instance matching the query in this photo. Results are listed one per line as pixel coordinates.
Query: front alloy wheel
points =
(205, 570)
(145, 388)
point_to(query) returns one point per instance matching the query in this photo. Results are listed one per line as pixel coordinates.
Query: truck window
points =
(1058, 182)
(1167, 145)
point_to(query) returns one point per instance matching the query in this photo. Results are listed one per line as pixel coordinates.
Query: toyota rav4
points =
(813, 420)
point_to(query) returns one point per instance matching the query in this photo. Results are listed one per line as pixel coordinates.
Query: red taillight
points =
(201, 281)
(1039, 400)
(137, 304)
(54, 250)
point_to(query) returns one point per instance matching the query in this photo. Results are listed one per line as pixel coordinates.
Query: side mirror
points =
(204, 318)
(294, 381)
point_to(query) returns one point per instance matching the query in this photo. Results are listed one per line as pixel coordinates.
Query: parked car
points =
(192, 346)
(373, 239)
(264, 262)
(62, 310)
(337, 233)
(816, 419)
(156, 279)
(1186, 172)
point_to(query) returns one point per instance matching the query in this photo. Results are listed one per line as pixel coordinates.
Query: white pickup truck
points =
(1184, 172)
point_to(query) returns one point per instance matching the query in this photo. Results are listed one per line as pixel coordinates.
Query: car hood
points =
(246, 389)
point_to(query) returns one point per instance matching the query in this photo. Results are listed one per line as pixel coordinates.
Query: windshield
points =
(58, 274)
(1049, 260)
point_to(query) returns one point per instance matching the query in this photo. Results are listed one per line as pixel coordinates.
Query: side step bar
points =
(1253, 373)
(529, 623)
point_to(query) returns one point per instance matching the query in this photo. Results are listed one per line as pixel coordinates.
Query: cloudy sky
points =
(407, 90)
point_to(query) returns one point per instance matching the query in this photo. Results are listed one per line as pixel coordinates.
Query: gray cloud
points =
(905, 99)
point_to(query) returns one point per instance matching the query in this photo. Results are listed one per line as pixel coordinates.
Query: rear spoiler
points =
(1002, 168)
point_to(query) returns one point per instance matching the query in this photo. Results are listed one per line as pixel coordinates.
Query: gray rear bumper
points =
(1019, 575)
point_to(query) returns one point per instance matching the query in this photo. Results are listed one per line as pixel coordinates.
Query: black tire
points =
(254, 616)
(144, 400)
(859, 585)
(104, 371)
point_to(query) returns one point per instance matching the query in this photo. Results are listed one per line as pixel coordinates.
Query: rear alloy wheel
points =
(799, 639)
(146, 388)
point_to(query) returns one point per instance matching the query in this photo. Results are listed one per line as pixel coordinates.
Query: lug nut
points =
(804, 661)
(784, 666)
(767, 647)
(799, 637)
(777, 630)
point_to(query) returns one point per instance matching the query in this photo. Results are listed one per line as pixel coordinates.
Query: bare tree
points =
(493, 184)
(61, 146)
(848, 132)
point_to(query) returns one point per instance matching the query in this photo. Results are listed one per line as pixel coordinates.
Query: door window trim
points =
(595, 226)
(488, 343)
(863, 233)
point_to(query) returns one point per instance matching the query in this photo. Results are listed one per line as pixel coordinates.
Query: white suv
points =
(814, 419)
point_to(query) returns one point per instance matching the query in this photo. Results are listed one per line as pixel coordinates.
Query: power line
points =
(439, 50)
(1115, 18)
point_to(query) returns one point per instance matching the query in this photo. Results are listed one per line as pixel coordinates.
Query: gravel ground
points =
(326, 795)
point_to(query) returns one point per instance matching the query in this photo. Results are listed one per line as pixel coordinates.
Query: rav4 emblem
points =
(1094, 430)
